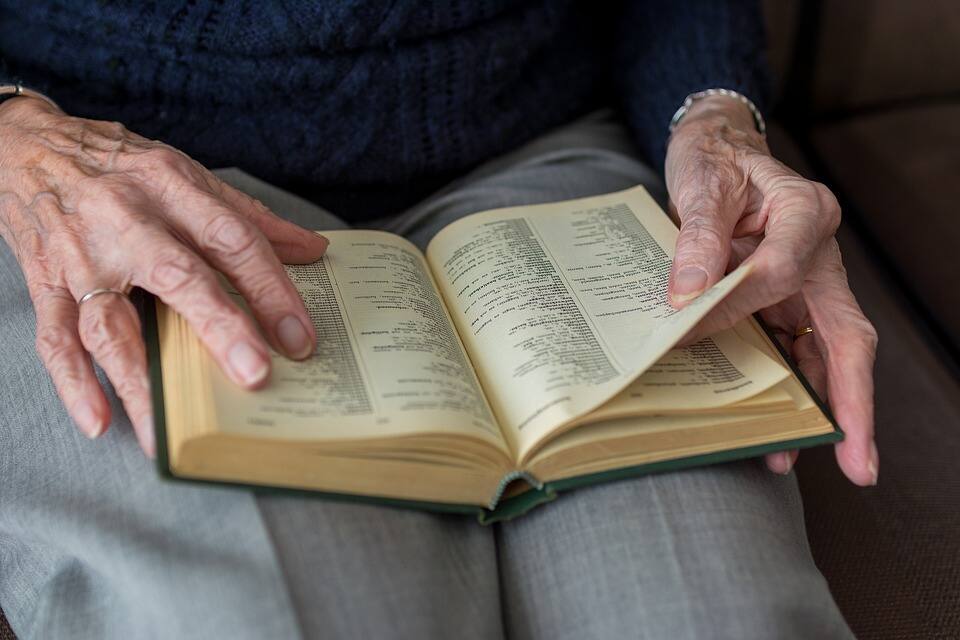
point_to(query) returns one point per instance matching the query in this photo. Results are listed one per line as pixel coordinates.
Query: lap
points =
(89, 530)
(95, 544)
(713, 552)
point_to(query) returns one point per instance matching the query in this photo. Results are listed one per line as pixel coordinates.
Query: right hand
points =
(87, 205)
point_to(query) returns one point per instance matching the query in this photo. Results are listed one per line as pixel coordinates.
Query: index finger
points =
(802, 219)
(236, 247)
(181, 279)
(293, 244)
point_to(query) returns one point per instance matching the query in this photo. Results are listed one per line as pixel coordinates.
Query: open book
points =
(531, 350)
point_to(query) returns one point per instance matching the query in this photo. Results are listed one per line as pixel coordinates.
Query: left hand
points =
(736, 203)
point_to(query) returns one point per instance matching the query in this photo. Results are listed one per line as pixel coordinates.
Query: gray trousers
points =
(94, 545)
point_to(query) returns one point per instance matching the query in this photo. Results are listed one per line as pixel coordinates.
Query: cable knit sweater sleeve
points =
(667, 49)
(5, 76)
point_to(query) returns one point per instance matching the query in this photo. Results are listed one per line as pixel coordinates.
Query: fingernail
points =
(90, 425)
(248, 365)
(294, 338)
(787, 463)
(688, 283)
(873, 464)
(148, 438)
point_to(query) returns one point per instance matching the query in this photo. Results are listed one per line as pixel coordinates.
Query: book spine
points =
(505, 482)
(516, 506)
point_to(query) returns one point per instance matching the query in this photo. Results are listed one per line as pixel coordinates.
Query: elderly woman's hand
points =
(738, 204)
(88, 205)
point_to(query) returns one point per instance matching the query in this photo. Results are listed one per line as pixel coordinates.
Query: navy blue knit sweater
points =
(365, 105)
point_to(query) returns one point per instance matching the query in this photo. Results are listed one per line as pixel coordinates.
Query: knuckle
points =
(166, 158)
(833, 254)
(829, 264)
(130, 385)
(115, 348)
(263, 284)
(702, 234)
(108, 334)
(807, 190)
(858, 338)
(227, 234)
(836, 269)
(99, 329)
(167, 171)
(54, 342)
(115, 129)
(172, 270)
(828, 205)
(823, 194)
(220, 324)
(855, 347)
(870, 336)
(783, 275)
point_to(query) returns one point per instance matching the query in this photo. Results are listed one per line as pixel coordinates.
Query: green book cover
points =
(504, 509)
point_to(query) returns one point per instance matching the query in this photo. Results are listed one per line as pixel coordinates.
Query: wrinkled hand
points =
(736, 204)
(87, 205)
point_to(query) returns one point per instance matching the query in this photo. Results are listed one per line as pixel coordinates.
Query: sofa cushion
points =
(891, 553)
(899, 170)
(6, 633)
(879, 51)
(782, 19)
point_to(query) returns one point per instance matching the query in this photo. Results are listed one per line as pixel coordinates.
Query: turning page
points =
(388, 360)
(715, 372)
(562, 305)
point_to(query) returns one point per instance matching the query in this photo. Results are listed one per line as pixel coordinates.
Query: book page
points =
(717, 371)
(624, 442)
(562, 305)
(388, 361)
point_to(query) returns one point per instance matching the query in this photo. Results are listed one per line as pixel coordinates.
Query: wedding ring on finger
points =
(802, 331)
(90, 295)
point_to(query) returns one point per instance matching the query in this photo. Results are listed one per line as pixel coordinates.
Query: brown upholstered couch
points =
(870, 104)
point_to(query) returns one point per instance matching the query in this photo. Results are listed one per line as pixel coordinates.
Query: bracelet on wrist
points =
(17, 90)
(758, 120)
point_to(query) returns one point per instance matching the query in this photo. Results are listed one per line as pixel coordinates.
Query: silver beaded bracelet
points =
(699, 95)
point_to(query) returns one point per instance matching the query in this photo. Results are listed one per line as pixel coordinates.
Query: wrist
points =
(19, 95)
(719, 116)
(25, 106)
(721, 109)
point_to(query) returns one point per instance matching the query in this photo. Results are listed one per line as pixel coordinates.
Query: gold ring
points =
(802, 331)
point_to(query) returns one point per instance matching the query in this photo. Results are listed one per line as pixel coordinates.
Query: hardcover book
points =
(528, 351)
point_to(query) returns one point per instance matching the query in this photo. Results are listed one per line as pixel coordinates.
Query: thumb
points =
(703, 248)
